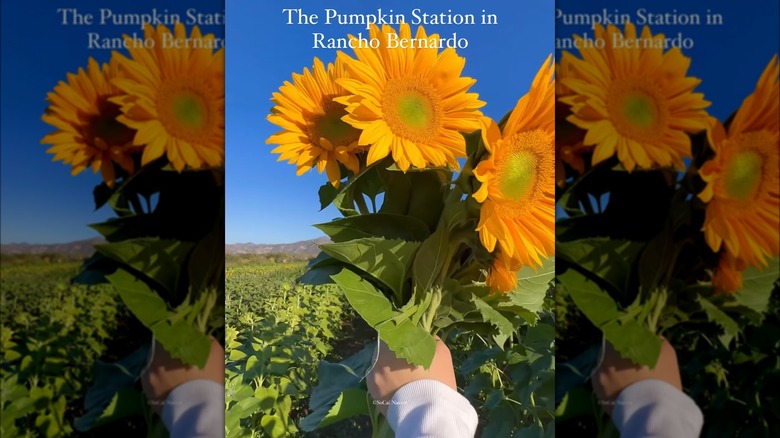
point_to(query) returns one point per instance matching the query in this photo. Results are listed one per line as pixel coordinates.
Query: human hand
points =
(166, 373)
(615, 374)
(391, 373)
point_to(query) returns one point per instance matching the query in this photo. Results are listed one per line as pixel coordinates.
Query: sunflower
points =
(174, 96)
(727, 277)
(518, 177)
(88, 134)
(411, 103)
(313, 132)
(636, 102)
(502, 277)
(743, 177)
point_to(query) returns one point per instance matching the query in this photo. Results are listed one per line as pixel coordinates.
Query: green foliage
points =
(278, 330)
(725, 371)
(512, 388)
(276, 334)
(164, 256)
(47, 348)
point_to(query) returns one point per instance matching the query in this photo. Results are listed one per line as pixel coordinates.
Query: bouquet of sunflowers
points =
(152, 123)
(670, 216)
(448, 215)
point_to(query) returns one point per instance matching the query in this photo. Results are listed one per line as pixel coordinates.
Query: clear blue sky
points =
(266, 202)
(40, 201)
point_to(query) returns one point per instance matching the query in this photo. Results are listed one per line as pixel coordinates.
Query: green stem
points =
(136, 203)
(661, 296)
(360, 201)
(205, 313)
(430, 314)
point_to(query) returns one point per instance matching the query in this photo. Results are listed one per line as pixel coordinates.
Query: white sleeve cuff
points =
(431, 409)
(195, 409)
(655, 409)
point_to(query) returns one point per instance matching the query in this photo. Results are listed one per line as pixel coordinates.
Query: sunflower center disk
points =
(412, 109)
(518, 175)
(330, 127)
(519, 163)
(184, 111)
(636, 110)
(107, 128)
(743, 175)
(640, 110)
(189, 109)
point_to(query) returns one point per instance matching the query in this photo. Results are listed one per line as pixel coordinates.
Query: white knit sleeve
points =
(655, 409)
(195, 409)
(431, 409)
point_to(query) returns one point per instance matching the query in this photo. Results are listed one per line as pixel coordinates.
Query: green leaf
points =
(408, 341)
(273, 426)
(181, 339)
(714, 314)
(578, 402)
(128, 402)
(368, 302)
(494, 317)
(634, 341)
(114, 197)
(532, 286)
(596, 304)
(386, 260)
(351, 402)
(655, 259)
(389, 226)
(206, 266)
(320, 275)
(146, 305)
(500, 422)
(477, 359)
(430, 260)
(757, 286)
(398, 188)
(158, 260)
(428, 191)
(126, 227)
(333, 380)
(608, 259)
(327, 194)
(631, 339)
(103, 400)
(576, 371)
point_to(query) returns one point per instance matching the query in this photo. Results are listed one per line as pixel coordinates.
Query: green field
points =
(52, 334)
(277, 331)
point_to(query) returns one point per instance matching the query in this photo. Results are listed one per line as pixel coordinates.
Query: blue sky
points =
(266, 202)
(40, 201)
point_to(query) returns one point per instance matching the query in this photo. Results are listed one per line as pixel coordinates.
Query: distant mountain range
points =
(86, 247)
(79, 247)
(303, 247)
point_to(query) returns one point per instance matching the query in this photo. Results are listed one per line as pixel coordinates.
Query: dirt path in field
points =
(355, 335)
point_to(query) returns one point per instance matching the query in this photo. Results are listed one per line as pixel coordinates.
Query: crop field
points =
(277, 331)
(52, 334)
